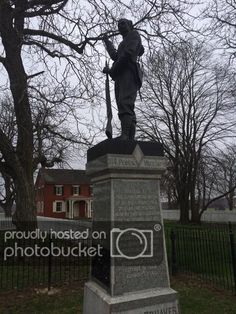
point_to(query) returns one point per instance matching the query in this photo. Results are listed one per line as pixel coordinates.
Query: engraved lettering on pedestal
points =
(154, 164)
(137, 199)
(121, 162)
(165, 310)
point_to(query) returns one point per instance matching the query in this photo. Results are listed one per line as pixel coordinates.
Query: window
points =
(91, 190)
(58, 189)
(75, 189)
(58, 206)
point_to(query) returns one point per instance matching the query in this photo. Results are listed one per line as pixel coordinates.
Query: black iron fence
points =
(6, 223)
(33, 263)
(208, 252)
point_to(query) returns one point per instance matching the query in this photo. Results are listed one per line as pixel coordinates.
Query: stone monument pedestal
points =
(130, 275)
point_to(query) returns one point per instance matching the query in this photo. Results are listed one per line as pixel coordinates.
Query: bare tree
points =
(52, 138)
(6, 194)
(168, 189)
(217, 177)
(222, 14)
(227, 174)
(35, 33)
(187, 107)
(206, 182)
(8, 125)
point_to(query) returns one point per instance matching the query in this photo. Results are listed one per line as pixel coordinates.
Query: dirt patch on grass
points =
(19, 297)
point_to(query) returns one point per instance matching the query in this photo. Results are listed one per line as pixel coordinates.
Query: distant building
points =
(219, 204)
(63, 193)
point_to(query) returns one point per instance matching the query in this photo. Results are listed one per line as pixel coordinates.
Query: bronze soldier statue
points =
(127, 75)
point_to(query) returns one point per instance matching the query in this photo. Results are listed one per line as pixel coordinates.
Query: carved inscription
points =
(148, 163)
(122, 162)
(136, 198)
(166, 310)
(131, 162)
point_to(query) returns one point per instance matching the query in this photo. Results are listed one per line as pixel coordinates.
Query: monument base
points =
(130, 276)
(151, 301)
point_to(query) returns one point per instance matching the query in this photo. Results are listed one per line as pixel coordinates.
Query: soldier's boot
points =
(126, 122)
(132, 130)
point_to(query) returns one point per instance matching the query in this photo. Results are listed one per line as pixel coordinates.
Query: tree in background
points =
(188, 107)
(217, 177)
(52, 140)
(222, 14)
(55, 40)
(226, 165)
(168, 189)
(7, 195)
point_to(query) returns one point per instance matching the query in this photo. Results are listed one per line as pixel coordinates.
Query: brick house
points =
(63, 193)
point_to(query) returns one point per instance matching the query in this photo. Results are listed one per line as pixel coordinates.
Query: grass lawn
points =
(66, 300)
(194, 299)
(197, 298)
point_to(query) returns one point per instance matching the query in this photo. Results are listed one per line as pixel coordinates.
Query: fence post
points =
(173, 253)
(49, 266)
(233, 253)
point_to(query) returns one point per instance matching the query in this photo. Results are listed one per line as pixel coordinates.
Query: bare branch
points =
(35, 74)
(46, 9)
(59, 39)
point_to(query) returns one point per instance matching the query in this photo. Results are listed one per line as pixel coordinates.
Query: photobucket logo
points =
(131, 243)
(55, 251)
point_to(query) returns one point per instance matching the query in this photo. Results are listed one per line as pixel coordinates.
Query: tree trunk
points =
(195, 210)
(25, 215)
(19, 158)
(184, 208)
(195, 216)
(230, 199)
(231, 203)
